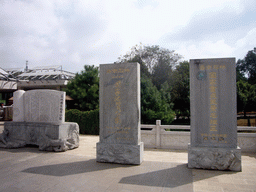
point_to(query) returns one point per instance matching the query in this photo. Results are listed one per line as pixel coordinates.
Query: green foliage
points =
(84, 88)
(143, 68)
(154, 104)
(239, 75)
(88, 121)
(246, 83)
(156, 62)
(246, 97)
(162, 71)
(156, 71)
(180, 89)
(247, 66)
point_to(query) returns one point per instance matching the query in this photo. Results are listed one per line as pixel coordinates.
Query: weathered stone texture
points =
(213, 115)
(214, 158)
(120, 137)
(119, 153)
(47, 136)
(18, 105)
(40, 105)
(44, 106)
(213, 102)
(39, 119)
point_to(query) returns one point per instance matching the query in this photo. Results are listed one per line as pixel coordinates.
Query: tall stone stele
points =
(213, 115)
(120, 138)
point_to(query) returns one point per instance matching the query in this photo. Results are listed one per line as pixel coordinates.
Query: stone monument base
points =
(214, 158)
(120, 153)
(48, 136)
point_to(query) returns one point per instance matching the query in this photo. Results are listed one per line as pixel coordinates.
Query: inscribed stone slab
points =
(120, 140)
(44, 106)
(120, 103)
(213, 103)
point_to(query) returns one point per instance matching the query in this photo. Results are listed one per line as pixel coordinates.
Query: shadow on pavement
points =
(249, 154)
(176, 176)
(73, 168)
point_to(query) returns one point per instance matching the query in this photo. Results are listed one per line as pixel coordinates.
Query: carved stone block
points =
(120, 153)
(214, 158)
(47, 136)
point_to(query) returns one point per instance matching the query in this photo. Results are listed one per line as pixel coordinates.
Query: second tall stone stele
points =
(213, 115)
(120, 138)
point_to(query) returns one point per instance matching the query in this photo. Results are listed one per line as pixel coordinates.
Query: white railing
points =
(171, 136)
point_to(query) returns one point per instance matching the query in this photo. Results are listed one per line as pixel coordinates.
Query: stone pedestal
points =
(214, 158)
(47, 136)
(120, 153)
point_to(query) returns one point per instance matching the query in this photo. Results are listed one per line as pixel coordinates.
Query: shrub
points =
(88, 121)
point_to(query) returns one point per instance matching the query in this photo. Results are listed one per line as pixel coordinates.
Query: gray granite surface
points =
(119, 111)
(213, 102)
(214, 158)
(120, 153)
(47, 136)
(40, 105)
(213, 115)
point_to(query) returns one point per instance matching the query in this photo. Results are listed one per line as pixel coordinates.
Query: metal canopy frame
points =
(54, 72)
(4, 75)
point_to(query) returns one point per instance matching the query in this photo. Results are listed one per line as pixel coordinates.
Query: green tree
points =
(246, 97)
(154, 104)
(156, 68)
(239, 75)
(84, 88)
(247, 66)
(143, 68)
(180, 89)
(158, 61)
(162, 71)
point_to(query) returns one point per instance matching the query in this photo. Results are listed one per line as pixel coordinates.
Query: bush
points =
(88, 121)
(154, 104)
(150, 117)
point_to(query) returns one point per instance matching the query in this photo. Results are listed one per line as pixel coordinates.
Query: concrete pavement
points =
(28, 169)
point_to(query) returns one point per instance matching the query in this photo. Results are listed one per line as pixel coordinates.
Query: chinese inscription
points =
(119, 103)
(213, 102)
(61, 107)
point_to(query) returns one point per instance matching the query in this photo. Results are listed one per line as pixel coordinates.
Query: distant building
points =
(8, 85)
(46, 77)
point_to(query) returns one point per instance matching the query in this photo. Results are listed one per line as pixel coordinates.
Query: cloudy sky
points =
(73, 33)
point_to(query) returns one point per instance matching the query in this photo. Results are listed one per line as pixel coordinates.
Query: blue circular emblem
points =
(201, 75)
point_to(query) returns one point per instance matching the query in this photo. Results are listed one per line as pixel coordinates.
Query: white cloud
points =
(205, 49)
(245, 44)
(75, 57)
(77, 32)
(249, 39)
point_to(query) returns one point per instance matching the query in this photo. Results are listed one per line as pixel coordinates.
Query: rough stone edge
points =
(71, 141)
(64, 143)
(215, 158)
(120, 153)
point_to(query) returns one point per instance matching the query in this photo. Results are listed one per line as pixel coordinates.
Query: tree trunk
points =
(249, 123)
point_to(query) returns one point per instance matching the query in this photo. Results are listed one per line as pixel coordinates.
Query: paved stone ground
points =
(28, 169)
